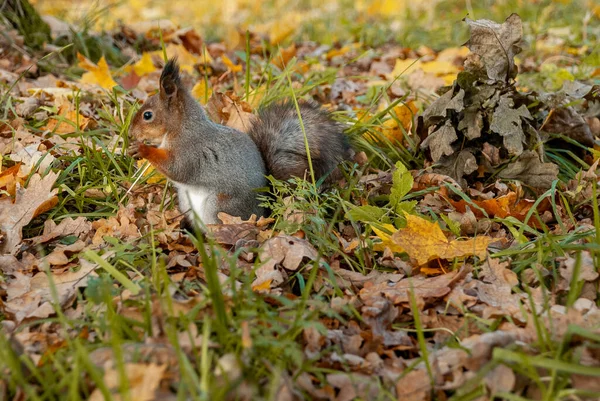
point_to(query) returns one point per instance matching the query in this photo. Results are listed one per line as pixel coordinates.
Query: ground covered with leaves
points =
(456, 260)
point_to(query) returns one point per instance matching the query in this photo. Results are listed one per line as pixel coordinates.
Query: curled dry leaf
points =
(285, 251)
(228, 110)
(68, 119)
(230, 234)
(121, 226)
(69, 226)
(426, 288)
(529, 169)
(496, 45)
(30, 202)
(502, 207)
(414, 386)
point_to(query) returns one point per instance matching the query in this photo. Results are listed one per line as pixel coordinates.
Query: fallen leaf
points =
(567, 121)
(425, 241)
(507, 122)
(67, 120)
(439, 142)
(144, 65)
(96, 74)
(414, 386)
(230, 234)
(143, 381)
(529, 169)
(457, 165)
(202, 92)
(68, 226)
(230, 64)
(426, 288)
(29, 202)
(496, 45)
(29, 297)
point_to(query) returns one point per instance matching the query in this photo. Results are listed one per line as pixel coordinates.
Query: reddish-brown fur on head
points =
(159, 118)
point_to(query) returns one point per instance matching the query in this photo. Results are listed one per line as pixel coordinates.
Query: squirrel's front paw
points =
(133, 150)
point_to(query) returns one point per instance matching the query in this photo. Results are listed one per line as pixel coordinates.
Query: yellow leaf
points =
(97, 74)
(440, 68)
(282, 28)
(67, 120)
(233, 67)
(157, 178)
(386, 240)
(256, 96)
(262, 287)
(404, 68)
(232, 37)
(186, 60)
(202, 92)
(452, 53)
(341, 51)
(144, 66)
(424, 241)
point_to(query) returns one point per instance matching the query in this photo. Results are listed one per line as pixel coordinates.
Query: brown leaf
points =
(121, 226)
(440, 141)
(228, 110)
(502, 207)
(29, 297)
(143, 381)
(427, 288)
(439, 108)
(414, 386)
(568, 122)
(496, 45)
(587, 271)
(529, 169)
(230, 234)
(507, 122)
(285, 251)
(68, 226)
(29, 202)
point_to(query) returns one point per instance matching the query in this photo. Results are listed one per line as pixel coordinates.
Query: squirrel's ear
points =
(169, 79)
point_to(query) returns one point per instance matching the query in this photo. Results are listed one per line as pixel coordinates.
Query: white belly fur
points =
(194, 202)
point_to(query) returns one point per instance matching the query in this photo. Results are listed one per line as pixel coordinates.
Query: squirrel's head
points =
(159, 116)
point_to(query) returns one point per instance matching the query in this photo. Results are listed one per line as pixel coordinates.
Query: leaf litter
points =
(427, 238)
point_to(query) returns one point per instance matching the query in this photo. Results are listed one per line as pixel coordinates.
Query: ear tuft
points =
(170, 79)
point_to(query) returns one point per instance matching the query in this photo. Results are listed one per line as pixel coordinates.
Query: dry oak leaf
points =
(122, 226)
(30, 202)
(425, 241)
(282, 250)
(68, 226)
(96, 74)
(29, 297)
(497, 45)
(423, 287)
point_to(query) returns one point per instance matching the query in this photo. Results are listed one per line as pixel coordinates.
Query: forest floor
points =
(457, 259)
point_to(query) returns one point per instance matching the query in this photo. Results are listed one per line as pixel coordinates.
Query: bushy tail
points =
(279, 137)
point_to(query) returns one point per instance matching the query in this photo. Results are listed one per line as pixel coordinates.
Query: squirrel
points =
(216, 168)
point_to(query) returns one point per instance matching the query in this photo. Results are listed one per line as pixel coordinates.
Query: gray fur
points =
(280, 139)
(218, 158)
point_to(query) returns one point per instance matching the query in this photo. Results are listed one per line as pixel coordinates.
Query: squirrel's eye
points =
(148, 115)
